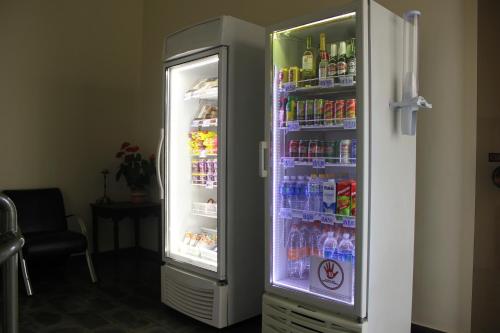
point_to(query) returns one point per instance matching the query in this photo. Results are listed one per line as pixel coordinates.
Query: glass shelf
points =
(311, 125)
(197, 123)
(318, 162)
(210, 93)
(326, 218)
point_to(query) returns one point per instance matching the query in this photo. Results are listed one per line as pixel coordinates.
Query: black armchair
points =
(43, 222)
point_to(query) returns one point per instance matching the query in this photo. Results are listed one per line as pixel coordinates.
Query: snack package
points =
(344, 198)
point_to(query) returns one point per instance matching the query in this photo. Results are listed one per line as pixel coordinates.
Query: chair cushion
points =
(54, 243)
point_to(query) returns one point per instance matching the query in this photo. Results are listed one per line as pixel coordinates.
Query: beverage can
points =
(313, 149)
(319, 111)
(309, 112)
(332, 151)
(282, 76)
(293, 148)
(350, 108)
(303, 149)
(345, 151)
(320, 149)
(353, 149)
(339, 111)
(329, 112)
(301, 111)
(293, 75)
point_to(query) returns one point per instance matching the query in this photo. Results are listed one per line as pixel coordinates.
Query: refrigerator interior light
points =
(195, 64)
(308, 25)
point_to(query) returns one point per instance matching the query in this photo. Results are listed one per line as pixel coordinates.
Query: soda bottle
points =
(329, 246)
(295, 251)
(315, 246)
(304, 232)
(284, 189)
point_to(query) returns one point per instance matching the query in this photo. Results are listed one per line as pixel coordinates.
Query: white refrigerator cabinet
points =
(365, 283)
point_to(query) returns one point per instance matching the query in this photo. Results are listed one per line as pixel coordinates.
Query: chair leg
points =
(93, 276)
(26, 278)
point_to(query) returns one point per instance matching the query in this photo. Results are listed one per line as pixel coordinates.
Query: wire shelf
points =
(310, 216)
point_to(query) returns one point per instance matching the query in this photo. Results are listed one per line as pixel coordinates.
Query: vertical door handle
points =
(262, 159)
(158, 163)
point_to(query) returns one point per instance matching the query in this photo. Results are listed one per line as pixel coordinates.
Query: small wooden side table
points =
(117, 212)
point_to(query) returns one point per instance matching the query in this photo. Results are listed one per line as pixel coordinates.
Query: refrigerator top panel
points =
(315, 169)
(192, 191)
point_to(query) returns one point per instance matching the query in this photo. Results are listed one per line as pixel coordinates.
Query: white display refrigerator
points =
(213, 121)
(340, 171)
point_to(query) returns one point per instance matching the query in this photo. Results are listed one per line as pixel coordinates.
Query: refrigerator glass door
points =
(314, 166)
(193, 160)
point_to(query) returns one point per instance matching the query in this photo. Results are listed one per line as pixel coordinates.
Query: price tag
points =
(286, 213)
(203, 153)
(318, 163)
(308, 216)
(289, 86)
(207, 122)
(326, 83)
(349, 222)
(288, 162)
(328, 219)
(209, 184)
(346, 80)
(350, 123)
(293, 125)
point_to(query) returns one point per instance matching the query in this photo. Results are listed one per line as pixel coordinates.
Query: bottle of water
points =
(292, 193)
(304, 232)
(295, 249)
(301, 190)
(315, 246)
(346, 247)
(284, 189)
(329, 246)
(313, 192)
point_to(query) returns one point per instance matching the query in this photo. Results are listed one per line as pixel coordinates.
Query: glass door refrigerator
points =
(341, 174)
(213, 120)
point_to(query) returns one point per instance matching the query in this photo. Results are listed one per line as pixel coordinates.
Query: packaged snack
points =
(344, 198)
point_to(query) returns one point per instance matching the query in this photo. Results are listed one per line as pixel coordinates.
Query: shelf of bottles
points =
(314, 158)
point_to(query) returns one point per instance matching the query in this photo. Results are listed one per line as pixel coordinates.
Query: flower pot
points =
(138, 197)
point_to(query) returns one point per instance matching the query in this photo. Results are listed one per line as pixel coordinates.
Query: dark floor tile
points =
(68, 329)
(47, 318)
(129, 319)
(89, 320)
(111, 330)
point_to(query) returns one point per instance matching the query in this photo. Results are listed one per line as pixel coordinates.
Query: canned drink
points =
(303, 149)
(309, 112)
(332, 150)
(329, 112)
(301, 111)
(353, 149)
(345, 151)
(282, 76)
(350, 108)
(293, 148)
(293, 75)
(313, 149)
(339, 111)
(320, 150)
(319, 111)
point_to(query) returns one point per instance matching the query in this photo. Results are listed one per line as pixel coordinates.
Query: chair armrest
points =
(81, 223)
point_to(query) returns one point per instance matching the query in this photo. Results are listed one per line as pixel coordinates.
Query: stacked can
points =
(309, 112)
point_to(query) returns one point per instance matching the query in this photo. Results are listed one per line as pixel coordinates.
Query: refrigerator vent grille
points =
(196, 302)
(279, 316)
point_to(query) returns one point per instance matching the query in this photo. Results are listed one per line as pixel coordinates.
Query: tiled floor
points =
(126, 299)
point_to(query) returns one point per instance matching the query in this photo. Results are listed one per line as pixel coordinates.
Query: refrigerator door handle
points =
(158, 163)
(262, 159)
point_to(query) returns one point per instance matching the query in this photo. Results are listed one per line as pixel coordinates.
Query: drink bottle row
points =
(312, 239)
(317, 66)
(319, 194)
(341, 151)
(314, 112)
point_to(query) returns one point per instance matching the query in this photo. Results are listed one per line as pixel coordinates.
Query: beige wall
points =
(69, 89)
(486, 291)
(446, 140)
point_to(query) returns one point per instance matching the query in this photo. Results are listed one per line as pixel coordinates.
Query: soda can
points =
(303, 150)
(293, 148)
(301, 111)
(319, 111)
(329, 112)
(332, 151)
(313, 149)
(293, 75)
(345, 151)
(282, 76)
(320, 150)
(309, 112)
(353, 149)
(350, 108)
(339, 111)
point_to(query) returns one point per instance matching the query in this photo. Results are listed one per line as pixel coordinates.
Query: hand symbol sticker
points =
(330, 274)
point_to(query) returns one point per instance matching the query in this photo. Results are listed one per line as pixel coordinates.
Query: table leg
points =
(116, 235)
(137, 231)
(95, 232)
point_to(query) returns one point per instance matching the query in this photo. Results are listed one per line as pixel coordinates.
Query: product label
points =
(326, 82)
(349, 123)
(293, 126)
(318, 163)
(346, 80)
(341, 68)
(351, 67)
(349, 222)
(288, 162)
(307, 62)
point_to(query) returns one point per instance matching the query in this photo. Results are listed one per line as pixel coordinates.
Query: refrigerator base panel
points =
(198, 297)
(283, 316)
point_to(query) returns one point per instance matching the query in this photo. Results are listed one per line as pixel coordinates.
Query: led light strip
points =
(330, 19)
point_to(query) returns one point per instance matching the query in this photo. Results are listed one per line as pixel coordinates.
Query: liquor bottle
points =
(309, 62)
(332, 63)
(351, 59)
(323, 63)
(342, 59)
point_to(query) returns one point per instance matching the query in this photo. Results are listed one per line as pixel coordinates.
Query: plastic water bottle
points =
(284, 189)
(346, 247)
(329, 246)
(301, 190)
(313, 195)
(315, 246)
(292, 193)
(304, 232)
(295, 249)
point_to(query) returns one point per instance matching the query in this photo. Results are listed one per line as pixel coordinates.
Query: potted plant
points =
(136, 170)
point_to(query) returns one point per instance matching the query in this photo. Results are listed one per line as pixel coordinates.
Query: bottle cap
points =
(330, 234)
